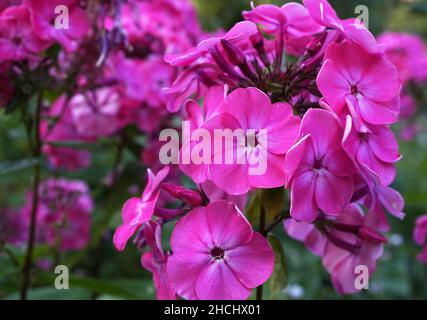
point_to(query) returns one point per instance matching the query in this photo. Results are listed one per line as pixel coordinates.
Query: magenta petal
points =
(183, 269)
(384, 145)
(130, 211)
(392, 201)
(323, 128)
(323, 13)
(253, 262)
(269, 171)
(192, 233)
(228, 227)
(378, 112)
(249, 106)
(303, 205)
(333, 193)
(282, 128)
(333, 85)
(217, 282)
(338, 163)
(295, 156)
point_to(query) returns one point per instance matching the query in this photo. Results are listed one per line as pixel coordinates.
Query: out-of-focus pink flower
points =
(63, 214)
(251, 109)
(144, 79)
(351, 30)
(12, 227)
(156, 261)
(137, 211)
(17, 38)
(409, 132)
(96, 114)
(408, 107)
(376, 151)
(420, 236)
(318, 170)
(63, 130)
(407, 52)
(44, 18)
(367, 83)
(217, 255)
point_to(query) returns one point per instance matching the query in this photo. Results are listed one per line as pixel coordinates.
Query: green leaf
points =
(10, 167)
(272, 201)
(253, 209)
(109, 287)
(279, 278)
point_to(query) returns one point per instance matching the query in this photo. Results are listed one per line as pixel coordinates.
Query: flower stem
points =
(259, 289)
(35, 151)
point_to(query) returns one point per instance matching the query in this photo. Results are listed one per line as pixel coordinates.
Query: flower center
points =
(354, 90)
(251, 139)
(318, 164)
(217, 253)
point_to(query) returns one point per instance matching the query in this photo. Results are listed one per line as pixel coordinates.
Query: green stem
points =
(262, 230)
(36, 151)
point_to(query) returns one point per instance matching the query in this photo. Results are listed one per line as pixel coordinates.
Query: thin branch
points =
(36, 151)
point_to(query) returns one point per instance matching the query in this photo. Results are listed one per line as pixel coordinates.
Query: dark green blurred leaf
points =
(10, 167)
(272, 200)
(279, 278)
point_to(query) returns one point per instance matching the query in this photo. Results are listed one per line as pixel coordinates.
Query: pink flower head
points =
(238, 35)
(346, 249)
(144, 79)
(156, 261)
(45, 16)
(376, 151)
(275, 129)
(97, 113)
(407, 52)
(17, 38)
(420, 236)
(352, 30)
(367, 83)
(217, 255)
(63, 214)
(318, 170)
(291, 22)
(137, 211)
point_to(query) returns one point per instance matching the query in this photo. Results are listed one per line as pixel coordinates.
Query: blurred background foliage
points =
(100, 271)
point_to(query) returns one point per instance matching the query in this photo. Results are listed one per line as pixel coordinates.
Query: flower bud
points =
(191, 197)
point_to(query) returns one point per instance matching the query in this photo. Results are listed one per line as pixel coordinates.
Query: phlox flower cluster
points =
(319, 94)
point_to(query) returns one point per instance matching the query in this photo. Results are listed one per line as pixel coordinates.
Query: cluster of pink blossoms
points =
(319, 95)
(409, 54)
(118, 84)
(63, 216)
(101, 63)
